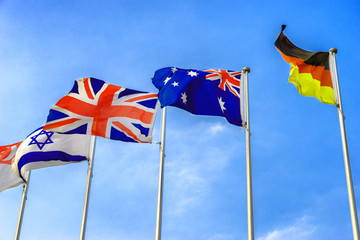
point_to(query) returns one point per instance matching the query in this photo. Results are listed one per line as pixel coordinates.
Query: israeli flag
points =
(45, 148)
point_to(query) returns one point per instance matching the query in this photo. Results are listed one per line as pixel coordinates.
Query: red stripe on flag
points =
(6, 151)
(318, 73)
(128, 131)
(141, 97)
(60, 124)
(77, 106)
(87, 89)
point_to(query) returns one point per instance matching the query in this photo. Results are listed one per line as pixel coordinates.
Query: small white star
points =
(184, 97)
(222, 104)
(174, 69)
(193, 74)
(175, 84)
(166, 80)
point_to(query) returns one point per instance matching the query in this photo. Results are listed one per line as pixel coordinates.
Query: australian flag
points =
(100, 109)
(201, 92)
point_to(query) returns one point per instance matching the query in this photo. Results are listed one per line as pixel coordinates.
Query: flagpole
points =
(88, 185)
(352, 202)
(250, 219)
(22, 206)
(161, 176)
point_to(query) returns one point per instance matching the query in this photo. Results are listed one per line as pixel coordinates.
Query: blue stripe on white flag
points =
(45, 148)
(34, 157)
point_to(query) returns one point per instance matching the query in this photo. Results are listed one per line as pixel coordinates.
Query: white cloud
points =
(216, 128)
(193, 162)
(188, 187)
(300, 230)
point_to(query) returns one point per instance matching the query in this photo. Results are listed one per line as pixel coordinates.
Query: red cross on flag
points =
(97, 108)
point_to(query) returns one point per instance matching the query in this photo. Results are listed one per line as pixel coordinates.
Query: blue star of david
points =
(42, 144)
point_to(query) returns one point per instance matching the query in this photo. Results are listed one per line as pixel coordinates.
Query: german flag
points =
(309, 70)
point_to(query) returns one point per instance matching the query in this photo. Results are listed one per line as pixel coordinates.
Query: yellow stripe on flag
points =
(308, 86)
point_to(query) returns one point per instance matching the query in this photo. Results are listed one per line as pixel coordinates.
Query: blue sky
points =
(299, 186)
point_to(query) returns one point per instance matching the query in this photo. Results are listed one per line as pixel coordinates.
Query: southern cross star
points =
(175, 84)
(46, 141)
(192, 73)
(222, 104)
(166, 80)
(184, 98)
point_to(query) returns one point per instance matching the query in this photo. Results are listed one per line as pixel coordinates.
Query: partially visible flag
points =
(45, 148)
(8, 178)
(97, 108)
(207, 92)
(309, 70)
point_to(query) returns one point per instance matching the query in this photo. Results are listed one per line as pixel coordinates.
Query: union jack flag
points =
(227, 79)
(97, 108)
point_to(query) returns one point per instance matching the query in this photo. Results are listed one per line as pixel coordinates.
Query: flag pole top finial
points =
(246, 69)
(333, 50)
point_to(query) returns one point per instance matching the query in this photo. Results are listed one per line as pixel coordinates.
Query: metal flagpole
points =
(161, 176)
(88, 184)
(22, 207)
(246, 70)
(352, 203)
